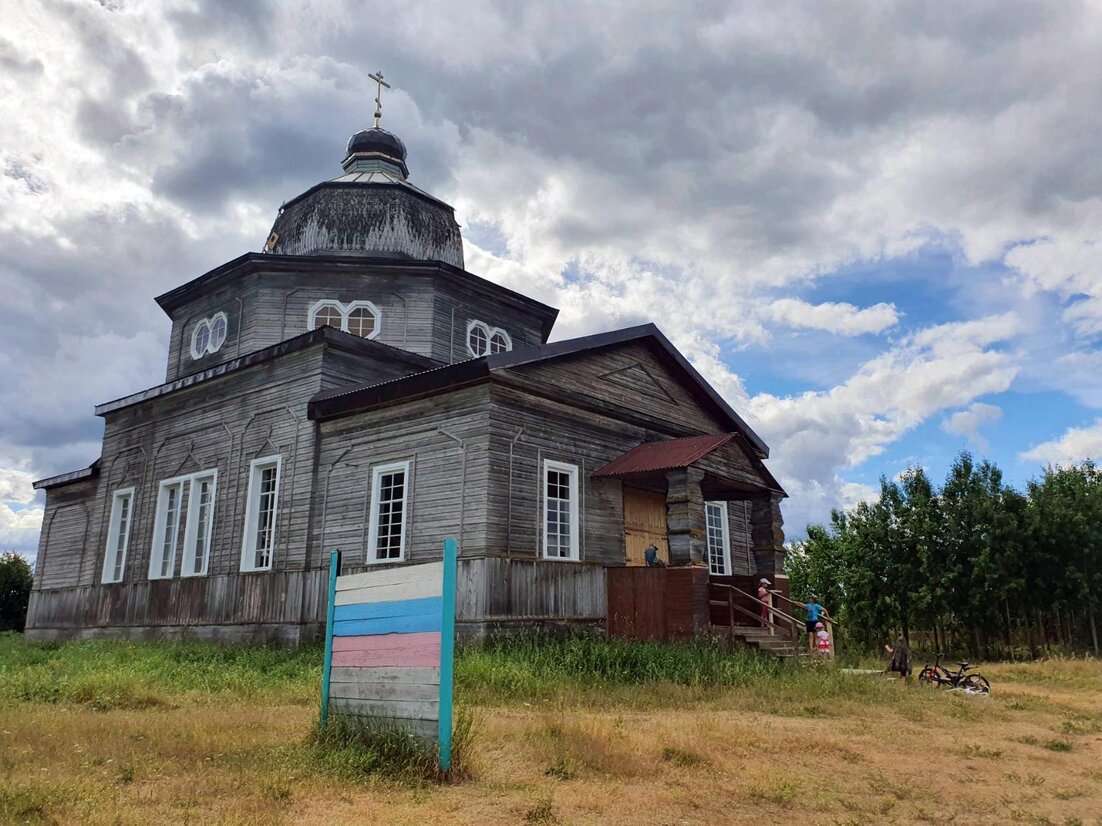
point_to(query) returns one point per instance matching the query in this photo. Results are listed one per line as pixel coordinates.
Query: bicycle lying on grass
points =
(940, 676)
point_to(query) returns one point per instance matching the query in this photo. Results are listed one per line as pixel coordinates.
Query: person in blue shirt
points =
(814, 611)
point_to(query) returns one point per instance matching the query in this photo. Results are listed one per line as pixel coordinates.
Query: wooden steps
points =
(762, 640)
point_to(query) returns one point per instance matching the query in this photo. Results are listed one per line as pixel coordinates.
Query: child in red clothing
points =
(822, 641)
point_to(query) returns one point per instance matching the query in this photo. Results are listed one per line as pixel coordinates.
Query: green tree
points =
(16, 579)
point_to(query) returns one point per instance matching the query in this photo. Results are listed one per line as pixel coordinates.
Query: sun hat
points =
(819, 625)
(764, 581)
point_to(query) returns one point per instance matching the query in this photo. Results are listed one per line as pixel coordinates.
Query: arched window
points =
(209, 335)
(360, 318)
(483, 340)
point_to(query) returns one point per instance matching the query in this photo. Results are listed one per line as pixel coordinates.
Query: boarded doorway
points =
(644, 524)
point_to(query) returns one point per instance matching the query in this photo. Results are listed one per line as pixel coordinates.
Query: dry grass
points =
(892, 754)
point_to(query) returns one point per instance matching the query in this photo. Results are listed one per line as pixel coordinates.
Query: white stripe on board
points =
(391, 593)
(430, 571)
(407, 675)
(407, 710)
(385, 692)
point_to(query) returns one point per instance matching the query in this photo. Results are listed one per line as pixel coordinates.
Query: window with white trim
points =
(118, 535)
(185, 514)
(360, 318)
(389, 495)
(199, 525)
(260, 514)
(561, 529)
(209, 335)
(484, 340)
(719, 542)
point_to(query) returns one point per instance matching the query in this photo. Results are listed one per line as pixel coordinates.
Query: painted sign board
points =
(390, 647)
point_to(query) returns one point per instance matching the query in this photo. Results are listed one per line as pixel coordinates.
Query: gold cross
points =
(378, 78)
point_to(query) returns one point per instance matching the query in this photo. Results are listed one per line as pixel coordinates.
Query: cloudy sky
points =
(875, 226)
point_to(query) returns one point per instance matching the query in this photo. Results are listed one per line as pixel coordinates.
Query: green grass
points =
(134, 675)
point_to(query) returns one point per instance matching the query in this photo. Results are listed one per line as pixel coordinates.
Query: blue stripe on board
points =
(399, 608)
(387, 625)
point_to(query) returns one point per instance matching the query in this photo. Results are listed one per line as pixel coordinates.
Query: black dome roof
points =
(377, 140)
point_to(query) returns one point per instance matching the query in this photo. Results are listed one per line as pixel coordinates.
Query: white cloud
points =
(1075, 445)
(840, 318)
(968, 422)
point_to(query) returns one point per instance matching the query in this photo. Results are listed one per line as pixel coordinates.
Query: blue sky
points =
(874, 228)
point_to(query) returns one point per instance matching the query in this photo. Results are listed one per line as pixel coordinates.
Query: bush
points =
(16, 579)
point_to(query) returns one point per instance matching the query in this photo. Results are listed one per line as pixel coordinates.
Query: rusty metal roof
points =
(667, 455)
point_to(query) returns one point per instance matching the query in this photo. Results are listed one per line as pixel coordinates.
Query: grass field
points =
(575, 733)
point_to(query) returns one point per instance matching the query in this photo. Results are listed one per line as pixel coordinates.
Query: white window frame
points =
(489, 332)
(344, 310)
(210, 347)
(191, 526)
(156, 551)
(185, 483)
(377, 473)
(574, 510)
(725, 538)
(252, 504)
(111, 559)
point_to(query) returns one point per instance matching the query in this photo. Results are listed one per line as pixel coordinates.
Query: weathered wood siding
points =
(284, 606)
(445, 441)
(626, 382)
(455, 306)
(66, 527)
(742, 557)
(493, 589)
(420, 311)
(657, 603)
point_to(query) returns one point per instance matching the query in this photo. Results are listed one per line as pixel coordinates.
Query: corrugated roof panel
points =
(666, 455)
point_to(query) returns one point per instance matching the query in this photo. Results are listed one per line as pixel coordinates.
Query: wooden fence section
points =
(720, 616)
(657, 603)
(389, 645)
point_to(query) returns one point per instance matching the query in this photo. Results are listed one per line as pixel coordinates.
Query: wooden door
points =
(644, 524)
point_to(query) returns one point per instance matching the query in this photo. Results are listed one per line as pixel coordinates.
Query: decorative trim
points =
(345, 310)
(725, 538)
(216, 328)
(488, 332)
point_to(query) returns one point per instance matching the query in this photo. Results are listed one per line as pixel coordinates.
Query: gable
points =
(628, 377)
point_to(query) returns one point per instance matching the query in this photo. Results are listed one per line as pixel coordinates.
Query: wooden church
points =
(353, 387)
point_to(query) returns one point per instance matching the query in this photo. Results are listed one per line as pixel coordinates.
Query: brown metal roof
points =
(667, 455)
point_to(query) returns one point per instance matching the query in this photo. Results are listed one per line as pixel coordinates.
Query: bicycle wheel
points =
(976, 683)
(927, 676)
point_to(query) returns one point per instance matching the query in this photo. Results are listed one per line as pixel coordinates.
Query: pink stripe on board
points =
(388, 650)
(385, 642)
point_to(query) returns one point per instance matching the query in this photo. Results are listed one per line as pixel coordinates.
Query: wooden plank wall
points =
(444, 439)
(455, 306)
(233, 607)
(657, 603)
(387, 646)
(495, 588)
(66, 526)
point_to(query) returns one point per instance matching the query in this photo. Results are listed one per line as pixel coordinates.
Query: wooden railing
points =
(773, 613)
(826, 620)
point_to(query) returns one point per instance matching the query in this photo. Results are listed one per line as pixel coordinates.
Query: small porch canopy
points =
(698, 469)
(728, 472)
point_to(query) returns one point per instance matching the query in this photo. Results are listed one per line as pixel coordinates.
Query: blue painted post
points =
(447, 654)
(334, 570)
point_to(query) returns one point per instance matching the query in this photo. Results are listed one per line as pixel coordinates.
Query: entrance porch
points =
(680, 500)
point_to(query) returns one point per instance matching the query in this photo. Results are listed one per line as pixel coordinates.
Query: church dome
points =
(377, 141)
(371, 210)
